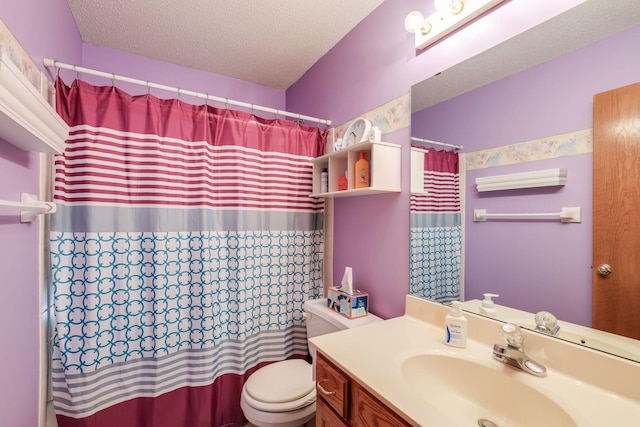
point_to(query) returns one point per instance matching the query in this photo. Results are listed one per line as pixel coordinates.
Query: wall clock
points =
(357, 132)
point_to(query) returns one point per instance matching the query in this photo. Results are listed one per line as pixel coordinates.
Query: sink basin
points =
(469, 391)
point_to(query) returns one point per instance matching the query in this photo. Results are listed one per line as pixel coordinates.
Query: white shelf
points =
(26, 119)
(384, 161)
(417, 171)
(533, 179)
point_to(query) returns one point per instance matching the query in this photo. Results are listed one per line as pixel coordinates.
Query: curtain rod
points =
(53, 63)
(428, 141)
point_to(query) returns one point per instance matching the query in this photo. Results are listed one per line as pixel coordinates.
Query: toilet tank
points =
(322, 320)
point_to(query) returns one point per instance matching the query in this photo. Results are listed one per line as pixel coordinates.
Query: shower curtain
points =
(436, 230)
(184, 245)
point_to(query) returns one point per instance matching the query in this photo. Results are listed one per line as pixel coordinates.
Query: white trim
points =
(26, 119)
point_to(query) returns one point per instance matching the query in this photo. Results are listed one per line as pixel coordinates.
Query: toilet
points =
(283, 394)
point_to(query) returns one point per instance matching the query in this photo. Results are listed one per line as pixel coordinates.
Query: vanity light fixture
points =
(450, 15)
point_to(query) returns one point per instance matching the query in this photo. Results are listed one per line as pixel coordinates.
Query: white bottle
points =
(375, 135)
(455, 326)
(324, 181)
(487, 306)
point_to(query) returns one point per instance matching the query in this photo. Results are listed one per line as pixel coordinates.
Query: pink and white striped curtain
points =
(436, 230)
(184, 245)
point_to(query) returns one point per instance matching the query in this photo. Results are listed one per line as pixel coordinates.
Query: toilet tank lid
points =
(319, 307)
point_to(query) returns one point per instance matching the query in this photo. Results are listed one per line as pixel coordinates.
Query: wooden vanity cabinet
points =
(343, 402)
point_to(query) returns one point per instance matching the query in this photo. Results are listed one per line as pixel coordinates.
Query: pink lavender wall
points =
(374, 63)
(534, 265)
(43, 28)
(146, 69)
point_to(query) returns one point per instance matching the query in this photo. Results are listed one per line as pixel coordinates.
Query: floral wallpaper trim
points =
(567, 144)
(11, 49)
(389, 117)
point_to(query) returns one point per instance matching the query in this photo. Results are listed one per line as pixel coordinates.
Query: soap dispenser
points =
(487, 307)
(455, 326)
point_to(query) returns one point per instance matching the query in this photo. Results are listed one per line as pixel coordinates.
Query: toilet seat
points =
(281, 387)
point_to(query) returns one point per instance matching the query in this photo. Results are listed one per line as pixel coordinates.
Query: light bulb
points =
(451, 7)
(413, 21)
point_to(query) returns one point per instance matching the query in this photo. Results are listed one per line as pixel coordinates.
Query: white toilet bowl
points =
(281, 394)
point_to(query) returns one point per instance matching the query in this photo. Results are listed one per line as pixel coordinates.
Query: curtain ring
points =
(277, 111)
(113, 80)
(148, 88)
(226, 103)
(76, 70)
(178, 95)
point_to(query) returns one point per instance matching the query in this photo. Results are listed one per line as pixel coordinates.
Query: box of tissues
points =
(347, 301)
(352, 305)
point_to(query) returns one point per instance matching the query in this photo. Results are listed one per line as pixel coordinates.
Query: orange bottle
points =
(362, 172)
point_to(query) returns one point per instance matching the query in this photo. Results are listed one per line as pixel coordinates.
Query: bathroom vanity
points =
(342, 401)
(400, 373)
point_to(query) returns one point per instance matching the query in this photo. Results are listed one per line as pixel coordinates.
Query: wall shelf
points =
(417, 171)
(26, 118)
(384, 161)
(533, 179)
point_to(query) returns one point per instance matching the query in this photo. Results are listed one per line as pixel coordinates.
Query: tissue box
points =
(351, 305)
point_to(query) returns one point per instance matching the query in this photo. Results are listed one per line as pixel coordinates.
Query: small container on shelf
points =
(324, 181)
(362, 172)
(343, 183)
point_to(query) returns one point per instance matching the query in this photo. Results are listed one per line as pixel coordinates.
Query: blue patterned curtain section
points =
(436, 230)
(184, 245)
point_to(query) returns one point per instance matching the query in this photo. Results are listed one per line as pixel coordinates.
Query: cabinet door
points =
(368, 411)
(333, 386)
(325, 417)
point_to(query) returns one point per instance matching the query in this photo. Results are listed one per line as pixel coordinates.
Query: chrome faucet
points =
(546, 323)
(513, 353)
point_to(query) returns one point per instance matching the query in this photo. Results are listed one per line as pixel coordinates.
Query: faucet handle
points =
(546, 322)
(512, 335)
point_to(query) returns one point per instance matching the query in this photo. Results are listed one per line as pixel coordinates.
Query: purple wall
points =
(374, 63)
(43, 28)
(534, 265)
(146, 69)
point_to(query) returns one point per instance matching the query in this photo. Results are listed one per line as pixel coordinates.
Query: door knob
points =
(604, 269)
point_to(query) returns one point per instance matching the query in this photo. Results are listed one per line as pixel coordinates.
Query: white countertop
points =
(373, 355)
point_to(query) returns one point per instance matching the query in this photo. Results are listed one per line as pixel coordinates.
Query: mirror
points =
(553, 279)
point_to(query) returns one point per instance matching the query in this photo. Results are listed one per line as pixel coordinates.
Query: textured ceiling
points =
(272, 43)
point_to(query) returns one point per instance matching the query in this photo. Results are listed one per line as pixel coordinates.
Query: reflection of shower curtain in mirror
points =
(436, 230)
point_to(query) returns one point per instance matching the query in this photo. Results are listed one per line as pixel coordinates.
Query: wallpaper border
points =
(551, 147)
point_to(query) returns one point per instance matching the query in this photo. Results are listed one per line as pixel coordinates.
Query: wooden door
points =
(616, 211)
